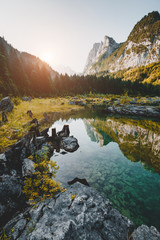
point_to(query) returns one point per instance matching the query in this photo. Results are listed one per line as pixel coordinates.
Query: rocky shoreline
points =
(134, 110)
(133, 107)
(87, 216)
(15, 165)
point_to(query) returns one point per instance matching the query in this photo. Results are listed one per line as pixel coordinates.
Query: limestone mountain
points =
(100, 51)
(141, 48)
(22, 73)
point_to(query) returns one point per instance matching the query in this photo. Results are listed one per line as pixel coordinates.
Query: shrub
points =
(42, 185)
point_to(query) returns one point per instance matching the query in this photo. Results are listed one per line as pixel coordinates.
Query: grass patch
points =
(15, 128)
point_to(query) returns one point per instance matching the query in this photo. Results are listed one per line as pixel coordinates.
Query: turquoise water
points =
(133, 187)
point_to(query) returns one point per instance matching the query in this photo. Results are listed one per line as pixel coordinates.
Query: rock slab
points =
(88, 217)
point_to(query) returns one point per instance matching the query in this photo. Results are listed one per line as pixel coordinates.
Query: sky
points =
(64, 31)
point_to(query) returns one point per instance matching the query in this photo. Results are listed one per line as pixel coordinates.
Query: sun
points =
(47, 57)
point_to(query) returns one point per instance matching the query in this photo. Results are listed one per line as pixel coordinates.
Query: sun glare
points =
(47, 57)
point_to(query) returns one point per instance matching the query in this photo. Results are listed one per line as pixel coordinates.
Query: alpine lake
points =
(120, 157)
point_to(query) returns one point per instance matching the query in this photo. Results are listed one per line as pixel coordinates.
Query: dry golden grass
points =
(13, 130)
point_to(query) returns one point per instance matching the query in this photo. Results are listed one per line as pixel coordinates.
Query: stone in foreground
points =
(145, 233)
(88, 217)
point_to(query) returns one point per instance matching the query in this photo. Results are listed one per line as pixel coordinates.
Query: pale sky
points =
(64, 31)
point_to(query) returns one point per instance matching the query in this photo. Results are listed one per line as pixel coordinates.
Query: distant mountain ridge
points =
(22, 73)
(141, 48)
(61, 69)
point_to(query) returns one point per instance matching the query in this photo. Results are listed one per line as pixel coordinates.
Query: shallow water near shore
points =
(121, 159)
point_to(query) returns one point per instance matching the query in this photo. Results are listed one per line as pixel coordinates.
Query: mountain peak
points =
(100, 50)
(147, 28)
(141, 48)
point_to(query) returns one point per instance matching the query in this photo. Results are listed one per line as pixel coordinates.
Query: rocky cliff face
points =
(100, 50)
(141, 48)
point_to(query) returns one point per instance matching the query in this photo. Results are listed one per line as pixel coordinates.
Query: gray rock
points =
(134, 110)
(3, 158)
(105, 102)
(3, 164)
(80, 103)
(10, 196)
(88, 217)
(27, 167)
(6, 104)
(13, 172)
(133, 102)
(72, 103)
(40, 140)
(117, 102)
(145, 233)
(70, 144)
(26, 98)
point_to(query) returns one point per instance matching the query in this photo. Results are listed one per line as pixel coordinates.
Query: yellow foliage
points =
(73, 197)
(42, 185)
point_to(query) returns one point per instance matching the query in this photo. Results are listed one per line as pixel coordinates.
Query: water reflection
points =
(138, 140)
(106, 148)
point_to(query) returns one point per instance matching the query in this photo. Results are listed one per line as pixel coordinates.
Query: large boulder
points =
(10, 197)
(88, 216)
(70, 144)
(6, 104)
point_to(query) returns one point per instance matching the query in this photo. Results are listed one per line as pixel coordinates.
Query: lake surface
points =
(121, 159)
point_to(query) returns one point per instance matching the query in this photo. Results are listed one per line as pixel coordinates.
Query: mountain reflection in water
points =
(121, 159)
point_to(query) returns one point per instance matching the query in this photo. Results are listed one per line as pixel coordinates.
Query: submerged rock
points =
(86, 217)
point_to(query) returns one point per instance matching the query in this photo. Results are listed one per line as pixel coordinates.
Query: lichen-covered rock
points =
(145, 233)
(70, 144)
(6, 104)
(86, 217)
